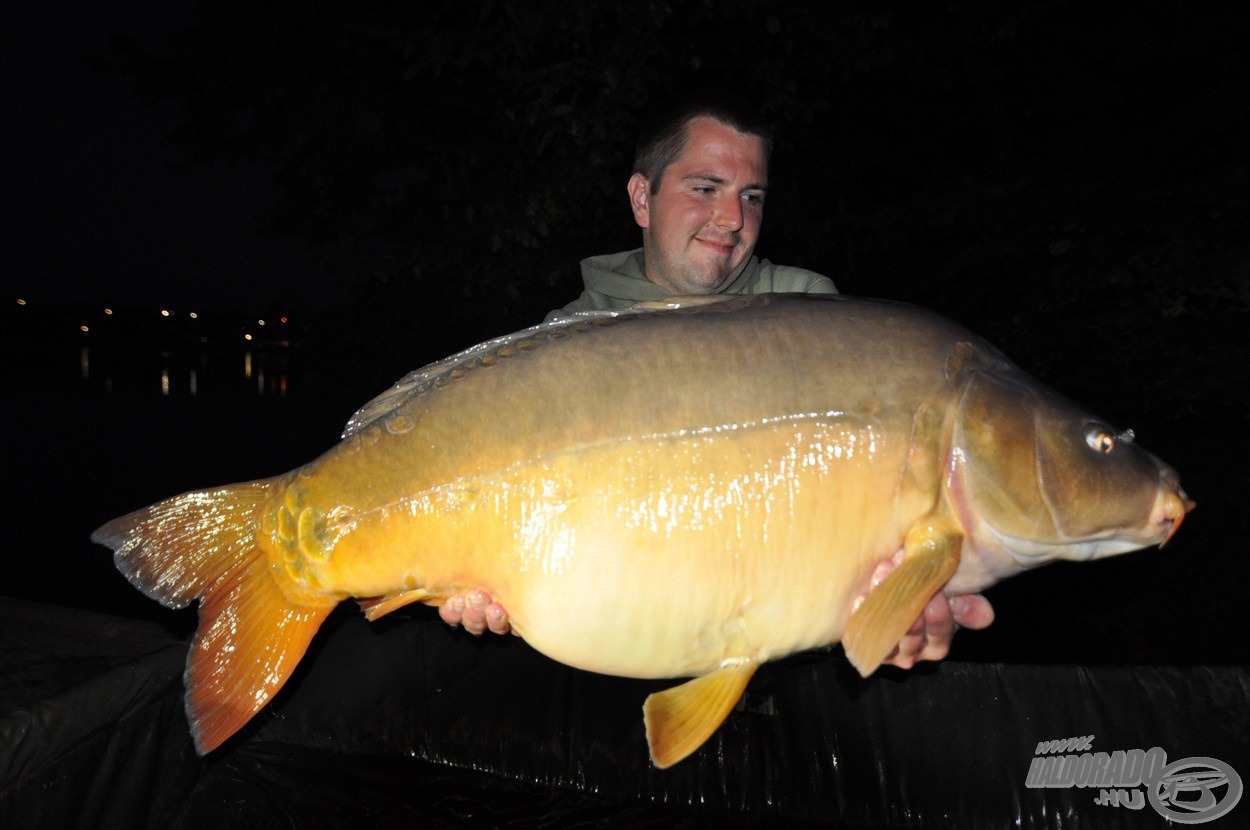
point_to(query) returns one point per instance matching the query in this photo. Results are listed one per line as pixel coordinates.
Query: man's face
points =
(700, 228)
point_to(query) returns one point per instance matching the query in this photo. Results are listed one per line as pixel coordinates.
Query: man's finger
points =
(452, 610)
(497, 619)
(972, 611)
(474, 616)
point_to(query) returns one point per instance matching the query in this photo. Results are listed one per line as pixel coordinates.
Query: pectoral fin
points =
(931, 556)
(376, 607)
(680, 719)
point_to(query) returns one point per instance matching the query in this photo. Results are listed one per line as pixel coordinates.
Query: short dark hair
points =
(664, 134)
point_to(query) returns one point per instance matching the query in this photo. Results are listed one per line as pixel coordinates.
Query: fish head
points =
(1047, 480)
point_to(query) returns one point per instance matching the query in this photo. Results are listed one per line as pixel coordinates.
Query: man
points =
(697, 191)
(698, 194)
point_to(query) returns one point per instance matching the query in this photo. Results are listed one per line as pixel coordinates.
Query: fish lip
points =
(1172, 508)
(1173, 525)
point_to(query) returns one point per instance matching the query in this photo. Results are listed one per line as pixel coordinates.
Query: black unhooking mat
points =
(406, 723)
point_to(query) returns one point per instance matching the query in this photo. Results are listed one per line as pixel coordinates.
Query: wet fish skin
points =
(689, 491)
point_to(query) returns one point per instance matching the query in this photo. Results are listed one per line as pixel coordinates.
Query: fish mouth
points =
(1170, 510)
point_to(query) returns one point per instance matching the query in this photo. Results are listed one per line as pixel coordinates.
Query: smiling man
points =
(697, 191)
(698, 188)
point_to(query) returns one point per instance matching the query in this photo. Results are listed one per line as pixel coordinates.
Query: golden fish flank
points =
(763, 453)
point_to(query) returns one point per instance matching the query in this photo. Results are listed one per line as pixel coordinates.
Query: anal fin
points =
(679, 720)
(930, 560)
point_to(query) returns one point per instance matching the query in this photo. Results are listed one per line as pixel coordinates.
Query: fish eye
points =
(1100, 440)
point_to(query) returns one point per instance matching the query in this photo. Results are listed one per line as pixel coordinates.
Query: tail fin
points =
(204, 545)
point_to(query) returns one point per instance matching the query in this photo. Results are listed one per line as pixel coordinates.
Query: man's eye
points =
(754, 198)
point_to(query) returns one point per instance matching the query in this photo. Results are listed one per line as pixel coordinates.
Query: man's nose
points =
(728, 213)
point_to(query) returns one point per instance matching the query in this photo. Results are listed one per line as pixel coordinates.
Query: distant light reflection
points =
(262, 377)
(112, 357)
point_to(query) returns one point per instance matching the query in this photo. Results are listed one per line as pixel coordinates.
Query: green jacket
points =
(618, 281)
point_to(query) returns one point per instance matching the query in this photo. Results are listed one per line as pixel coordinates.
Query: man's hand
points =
(931, 636)
(476, 613)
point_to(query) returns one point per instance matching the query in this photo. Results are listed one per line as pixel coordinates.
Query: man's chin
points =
(712, 278)
(706, 284)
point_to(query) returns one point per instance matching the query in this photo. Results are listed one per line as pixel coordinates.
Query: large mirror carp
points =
(682, 491)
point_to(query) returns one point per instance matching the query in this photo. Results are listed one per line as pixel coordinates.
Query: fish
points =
(685, 489)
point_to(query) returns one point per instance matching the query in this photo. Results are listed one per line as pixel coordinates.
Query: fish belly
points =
(660, 556)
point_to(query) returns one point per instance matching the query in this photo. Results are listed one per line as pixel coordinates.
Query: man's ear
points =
(640, 199)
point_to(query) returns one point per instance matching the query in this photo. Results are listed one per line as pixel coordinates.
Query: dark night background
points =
(399, 181)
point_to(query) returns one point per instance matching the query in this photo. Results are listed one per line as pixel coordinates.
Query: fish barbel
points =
(682, 491)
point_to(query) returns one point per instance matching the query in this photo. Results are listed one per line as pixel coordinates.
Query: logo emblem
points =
(1195, 790)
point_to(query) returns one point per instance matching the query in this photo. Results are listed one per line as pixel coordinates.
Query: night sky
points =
(1081, 120)
(98, 205)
